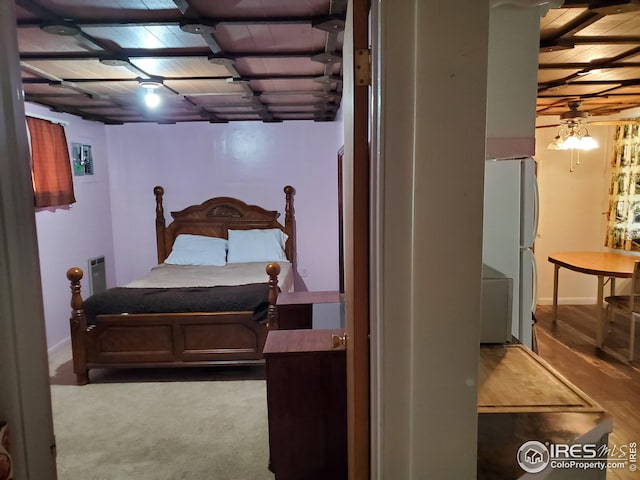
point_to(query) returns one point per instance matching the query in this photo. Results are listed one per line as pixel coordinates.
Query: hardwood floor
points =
(568, 345)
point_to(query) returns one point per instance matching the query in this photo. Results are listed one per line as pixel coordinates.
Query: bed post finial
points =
(78, 323)
(273, 270)
(160, 224)
(289, 225)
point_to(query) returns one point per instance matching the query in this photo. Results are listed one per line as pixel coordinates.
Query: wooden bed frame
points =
(182, 339)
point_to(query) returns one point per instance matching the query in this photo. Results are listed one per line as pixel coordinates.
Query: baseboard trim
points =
(61, 345)
(568, 301)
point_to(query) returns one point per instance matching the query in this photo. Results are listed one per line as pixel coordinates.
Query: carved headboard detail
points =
(226, 211)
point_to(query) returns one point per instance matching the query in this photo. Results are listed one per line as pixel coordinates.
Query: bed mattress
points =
(171, 276)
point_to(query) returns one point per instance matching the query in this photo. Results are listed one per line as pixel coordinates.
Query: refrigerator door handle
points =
(536, 209)
(528, 252)
(529, 203)
(534, 272)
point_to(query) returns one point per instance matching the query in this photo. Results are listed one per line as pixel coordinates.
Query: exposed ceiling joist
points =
(590, 52)
(212, 61)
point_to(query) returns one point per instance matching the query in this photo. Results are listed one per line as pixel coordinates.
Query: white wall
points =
(248, 160)
(573, 208)
(69, 237)
(430, 240)
(514, 43)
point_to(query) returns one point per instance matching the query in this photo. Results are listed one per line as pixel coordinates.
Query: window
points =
(623, 230)
(50, 164)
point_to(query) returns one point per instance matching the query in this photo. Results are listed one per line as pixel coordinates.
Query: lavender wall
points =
(248, 160)
(114, 212)
(71, 236)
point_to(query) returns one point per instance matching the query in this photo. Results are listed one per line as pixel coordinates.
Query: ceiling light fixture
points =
(61, 28)
(573, 134)
(151, 98)
(115, 61)
(198, 28)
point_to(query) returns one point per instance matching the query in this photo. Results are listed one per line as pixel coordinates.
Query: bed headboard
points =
(216, 216)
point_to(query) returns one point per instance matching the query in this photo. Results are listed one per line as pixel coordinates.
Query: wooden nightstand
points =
(307, 405)
(295, 309)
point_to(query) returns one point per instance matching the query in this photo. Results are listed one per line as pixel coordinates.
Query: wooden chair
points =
(628, 306)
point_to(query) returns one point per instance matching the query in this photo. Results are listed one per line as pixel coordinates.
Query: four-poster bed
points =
(197, 311)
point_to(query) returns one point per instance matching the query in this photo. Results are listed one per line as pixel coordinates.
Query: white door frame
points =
(25, 401)
(430, 85)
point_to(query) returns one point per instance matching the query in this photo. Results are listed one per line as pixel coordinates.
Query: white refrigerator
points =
(510, 224)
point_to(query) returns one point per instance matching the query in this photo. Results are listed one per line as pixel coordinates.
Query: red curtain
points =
(50, 164)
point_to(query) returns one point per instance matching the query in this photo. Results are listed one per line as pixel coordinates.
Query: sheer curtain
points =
(50, 164)
(623, 230)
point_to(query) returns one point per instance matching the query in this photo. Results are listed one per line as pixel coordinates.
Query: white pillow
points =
(198, 250)
(260, 245)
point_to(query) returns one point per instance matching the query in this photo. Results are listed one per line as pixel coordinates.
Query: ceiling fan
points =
(576, 117)
(573, 134)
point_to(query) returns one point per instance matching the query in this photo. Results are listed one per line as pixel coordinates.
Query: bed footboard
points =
(167, 339)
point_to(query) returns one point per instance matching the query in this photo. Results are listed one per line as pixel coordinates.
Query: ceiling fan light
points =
(572, 142)
(573, 134)
(556, 144)
(588, 143)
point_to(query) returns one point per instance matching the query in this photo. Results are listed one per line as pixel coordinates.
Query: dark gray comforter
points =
(252, 297)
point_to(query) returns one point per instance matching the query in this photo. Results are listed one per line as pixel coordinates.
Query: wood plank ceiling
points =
(217, 61)
(275, 60)
(590, 52)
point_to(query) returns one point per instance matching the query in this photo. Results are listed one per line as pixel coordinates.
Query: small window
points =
(50, 164)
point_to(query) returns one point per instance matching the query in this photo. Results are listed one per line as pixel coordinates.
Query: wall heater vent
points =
(98, 275)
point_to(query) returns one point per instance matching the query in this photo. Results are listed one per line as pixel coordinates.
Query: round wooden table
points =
(601, 264)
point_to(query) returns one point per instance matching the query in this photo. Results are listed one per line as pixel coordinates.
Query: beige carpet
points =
(161, 430)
